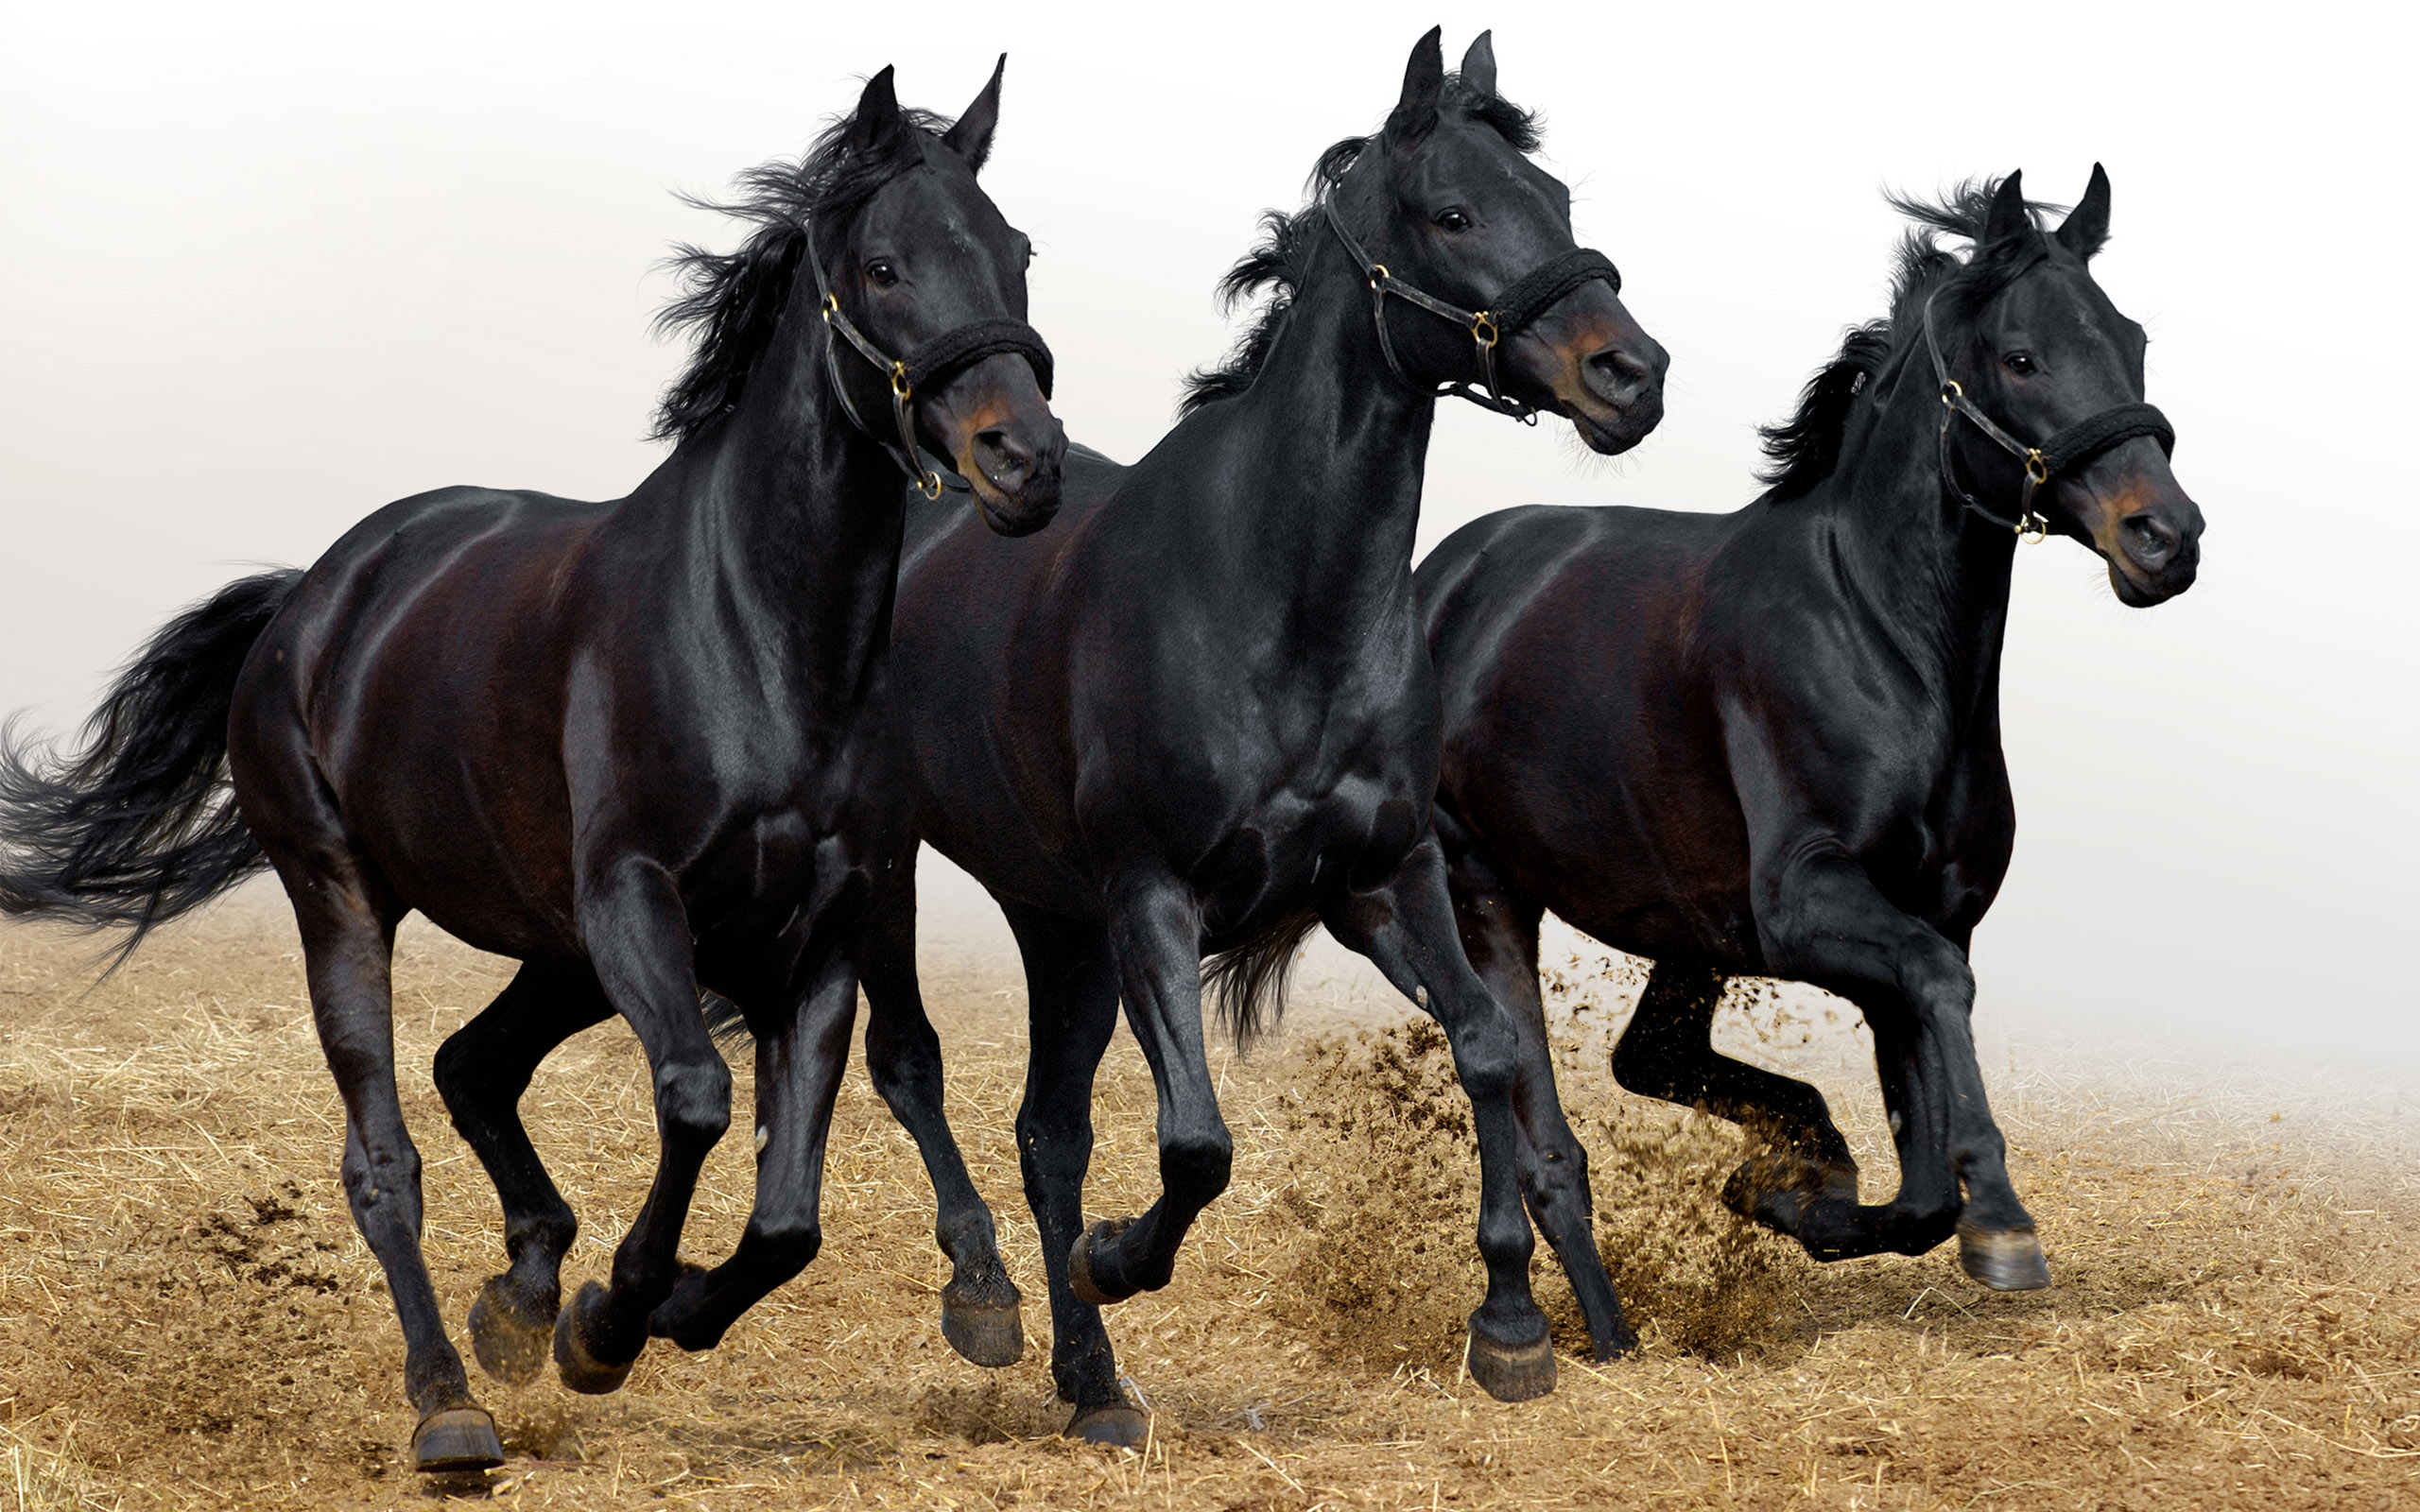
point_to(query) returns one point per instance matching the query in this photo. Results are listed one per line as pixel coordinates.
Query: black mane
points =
(1802, 451)
(1276, 264)
(735, 299)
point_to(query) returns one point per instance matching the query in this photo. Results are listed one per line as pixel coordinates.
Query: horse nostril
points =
(1618, 375)
(1003, 458)
(2149, 539)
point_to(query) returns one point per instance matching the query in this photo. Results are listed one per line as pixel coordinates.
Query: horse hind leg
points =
(483, 1070)
(348, 943)
(1666, 1051)
(981, 1314)
(1499, 934)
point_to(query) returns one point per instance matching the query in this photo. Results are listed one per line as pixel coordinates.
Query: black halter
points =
(2070, 448)
(931, 363)
(1530, 296)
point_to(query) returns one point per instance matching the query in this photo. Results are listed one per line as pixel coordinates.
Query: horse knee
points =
(1487, 1061)
(1194, 1168)
(465, 1073)
(692, 1103)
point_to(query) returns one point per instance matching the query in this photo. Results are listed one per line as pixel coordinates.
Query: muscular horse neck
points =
(1310, 515)
(1933, 578)
(778, 529)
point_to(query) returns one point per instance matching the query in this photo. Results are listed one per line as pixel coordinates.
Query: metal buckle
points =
(831, 307)
(2036, 467)
(1483, 329)
(899, 388)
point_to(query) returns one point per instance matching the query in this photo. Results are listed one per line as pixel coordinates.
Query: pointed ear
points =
(1479, 65)
(877, 115)
(2086, 228)
(2008, 218)
(1423, 85)
(970, 138)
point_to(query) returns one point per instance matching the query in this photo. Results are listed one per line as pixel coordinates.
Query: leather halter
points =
(2067, 450)
(936, 360)
(1530, 296)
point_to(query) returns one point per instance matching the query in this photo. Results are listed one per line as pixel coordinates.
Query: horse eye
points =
(2019, 362)
(1452, 219)
(883, 274)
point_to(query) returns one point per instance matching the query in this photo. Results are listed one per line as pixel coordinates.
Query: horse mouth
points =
(1619, 431)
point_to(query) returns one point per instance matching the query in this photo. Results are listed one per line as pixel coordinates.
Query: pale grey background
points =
(264, 269)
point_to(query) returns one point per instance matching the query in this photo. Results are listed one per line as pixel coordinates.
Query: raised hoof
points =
(510, 1345)
(1120, 1425)
(1080, 1262)
(1511, 1372)
(1777, 1187)
(580, 1370)
(2005, 1260)
(988, 1334)
(455, 1440)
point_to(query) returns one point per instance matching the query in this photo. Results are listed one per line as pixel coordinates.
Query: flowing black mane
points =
(1804, 449)
(1275, 265)
(735, 299)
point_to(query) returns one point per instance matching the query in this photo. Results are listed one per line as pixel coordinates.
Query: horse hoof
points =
(2006, 1260)
(1120, 1425)
(580, 1370)
(511, 1344)
(989, 1333)
(455, 1440)
(1511, 1372)
(1080, 1262)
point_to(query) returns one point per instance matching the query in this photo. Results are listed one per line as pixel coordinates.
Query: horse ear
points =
(1479, 64)
(970, 138)
(1423, 85)
(2008, 218)
(2086, 228)
(877, 115)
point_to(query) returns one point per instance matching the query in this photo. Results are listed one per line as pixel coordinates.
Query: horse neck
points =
(1322, 512)
(786, 523)
(1934, 576)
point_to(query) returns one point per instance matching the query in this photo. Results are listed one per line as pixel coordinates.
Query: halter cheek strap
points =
(936, 360)
(1527, 297)
(2062, 453)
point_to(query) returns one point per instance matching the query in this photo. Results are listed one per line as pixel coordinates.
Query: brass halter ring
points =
(1483, 329)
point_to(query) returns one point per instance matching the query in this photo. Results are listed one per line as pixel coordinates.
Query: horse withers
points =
(1768, 742)
(1198, 719)
(640, 746)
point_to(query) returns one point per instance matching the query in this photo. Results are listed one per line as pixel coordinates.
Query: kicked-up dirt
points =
(188, 1318)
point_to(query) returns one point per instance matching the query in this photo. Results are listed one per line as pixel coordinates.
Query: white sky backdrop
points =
(265, 267)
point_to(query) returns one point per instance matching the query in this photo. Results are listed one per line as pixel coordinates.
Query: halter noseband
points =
(1530, 296)
(2069, 449)
(936, 360)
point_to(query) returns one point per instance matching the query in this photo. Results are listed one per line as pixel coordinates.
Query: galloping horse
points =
(1769, 741)
(640, 746)
(1199, 718)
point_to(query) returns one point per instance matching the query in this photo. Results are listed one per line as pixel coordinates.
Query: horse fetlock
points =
(1195, 1169)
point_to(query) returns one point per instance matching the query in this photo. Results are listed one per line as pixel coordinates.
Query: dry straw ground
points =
(186, 1318)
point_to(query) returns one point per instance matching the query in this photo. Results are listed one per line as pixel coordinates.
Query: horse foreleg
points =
(482, 1069)
(1406, 927)
(980, 1306)
(1499, 935)
(637, 936)
(1823, 921)
(801, 1056)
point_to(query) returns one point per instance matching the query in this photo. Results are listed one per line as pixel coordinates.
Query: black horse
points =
(1768, 742)
(639, 746)
(1199, 717)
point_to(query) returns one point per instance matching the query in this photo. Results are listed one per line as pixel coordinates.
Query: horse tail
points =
(725, 1022)
(1248, 981)
(139, 826)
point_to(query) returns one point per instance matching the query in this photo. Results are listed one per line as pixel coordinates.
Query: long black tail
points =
(138, 826)
(1248, 982)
